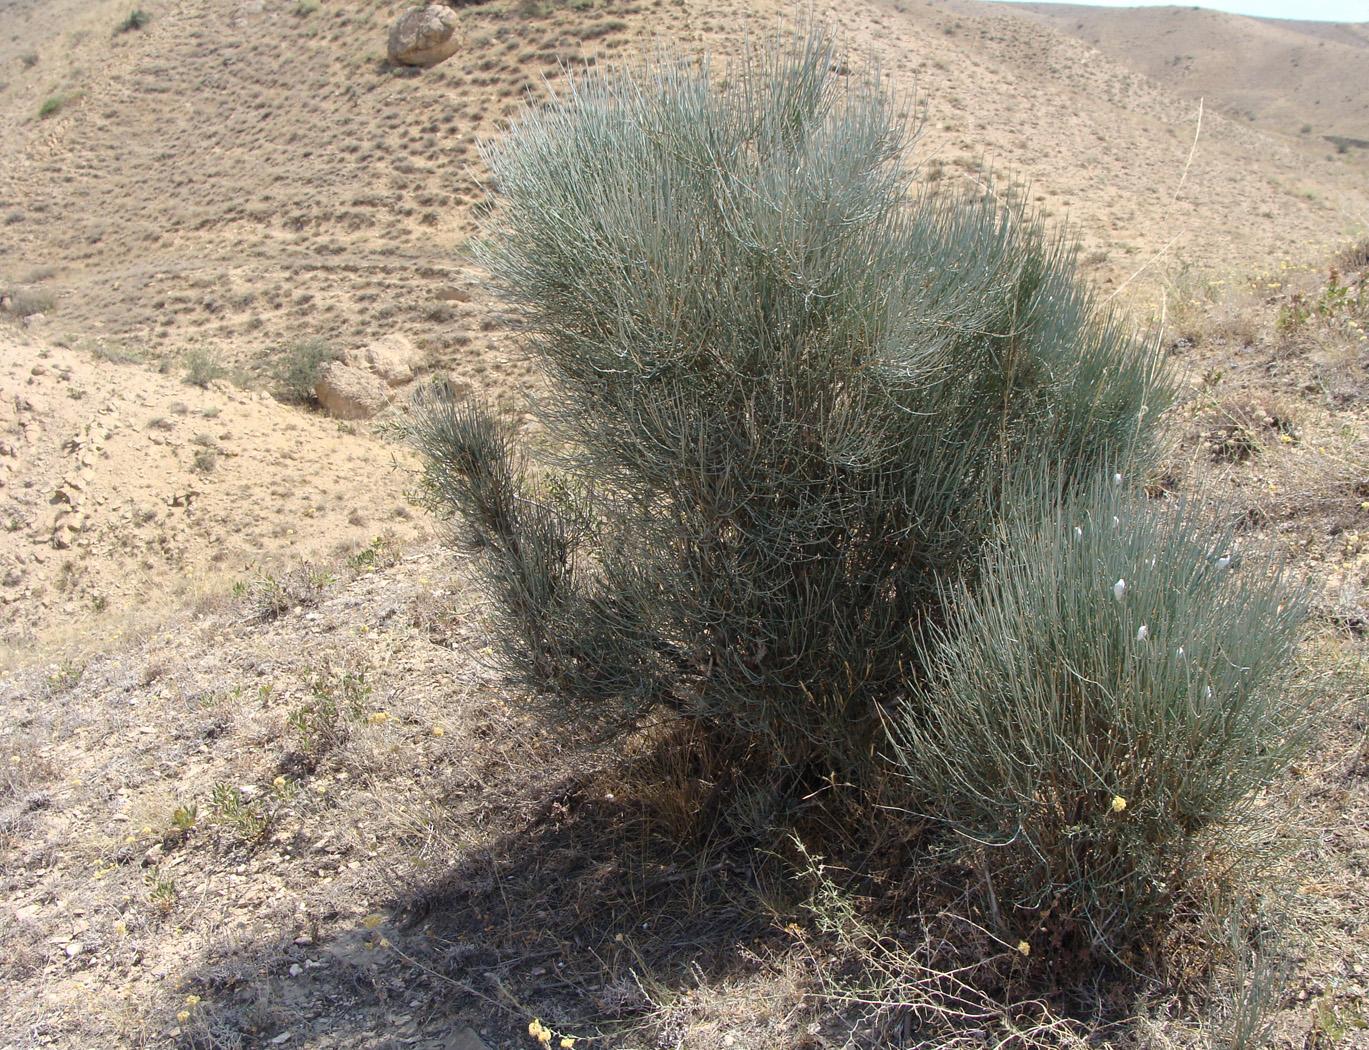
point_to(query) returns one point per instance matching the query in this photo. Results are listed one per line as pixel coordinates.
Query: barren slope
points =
(125, 493)
(1281, 75)
(249, 173)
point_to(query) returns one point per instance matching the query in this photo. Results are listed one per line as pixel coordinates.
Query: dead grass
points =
(1240, 427)
(498, 870)
(26, 302)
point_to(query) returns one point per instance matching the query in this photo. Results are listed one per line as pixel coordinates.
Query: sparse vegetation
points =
(1336, 300)
(52, 105)
(137, 19)
(115, 353)
(247, 818)
(269, 595)
(185, 817)
(161, 890)
(203, 366)
(298, 366)
(380, 553)
(1239, 427)
(335, 703)
(26, 302)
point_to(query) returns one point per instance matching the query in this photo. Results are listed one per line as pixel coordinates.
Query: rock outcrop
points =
(393, 358)
(424, 36)
(346, 392)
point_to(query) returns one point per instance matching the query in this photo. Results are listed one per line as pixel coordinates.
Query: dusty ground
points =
(339, 828)
(123, 489)
(254, 769)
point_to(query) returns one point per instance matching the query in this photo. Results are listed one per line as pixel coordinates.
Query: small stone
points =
(465, 1039)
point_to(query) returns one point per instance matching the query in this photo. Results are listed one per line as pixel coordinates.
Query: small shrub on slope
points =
(1099, 707)
(137, 19)
(299, 366)
(203, 367)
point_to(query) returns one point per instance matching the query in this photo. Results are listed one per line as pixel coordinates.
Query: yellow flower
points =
(183, 1016)
(438, 731)
(192, 1000)
(375, 718)
(1024, 947)
(1118, 803)
(567, 1042)
(279, 782)
(373, 920)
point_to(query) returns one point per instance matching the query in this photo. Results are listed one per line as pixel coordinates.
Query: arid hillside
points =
(260, 781)
(1297, 78)
(253, 172)
(227, 182)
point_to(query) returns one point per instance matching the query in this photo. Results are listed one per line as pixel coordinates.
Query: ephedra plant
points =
(801, 411)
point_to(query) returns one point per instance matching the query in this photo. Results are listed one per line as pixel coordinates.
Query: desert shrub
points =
(51, 106)
(268, 596)
(1238, 427)
(203, 366)
(137, 19)
(1354, 256)
(1341, 302)
(25, 302)
(790, 388)
(1106, 699)
(298, 367)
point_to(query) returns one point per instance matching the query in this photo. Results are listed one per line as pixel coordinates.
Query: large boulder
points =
(393, 358)
(424, 36)
(350, 393)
